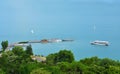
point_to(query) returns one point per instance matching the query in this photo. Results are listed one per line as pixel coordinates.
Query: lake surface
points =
(83, 21)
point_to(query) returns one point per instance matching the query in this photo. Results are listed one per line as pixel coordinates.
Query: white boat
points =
(55, 40)
(98, 42)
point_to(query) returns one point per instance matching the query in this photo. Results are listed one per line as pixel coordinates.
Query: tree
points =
(77, 68)
(50, 59)
(4, 45)
(1, 71)
(64, 66)
(95, 69)
(55, 69)
(26, 68)
(17, 50)
(72, 68)
(91, 61)
(61, 56)
(29, 50)
(10, 63)
(106, 62)
(101, 66)
(40, 71)
(15, 61)
(64, 56)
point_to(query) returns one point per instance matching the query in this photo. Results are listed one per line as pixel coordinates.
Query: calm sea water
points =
(82, 21)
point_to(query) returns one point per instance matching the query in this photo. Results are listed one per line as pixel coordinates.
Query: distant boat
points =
(32, 31)
(55, 40)
(98, 42)
(59, 40)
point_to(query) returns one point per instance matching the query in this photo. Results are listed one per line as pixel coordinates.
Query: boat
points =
(55, 40)
(99, 42)
(44, 41)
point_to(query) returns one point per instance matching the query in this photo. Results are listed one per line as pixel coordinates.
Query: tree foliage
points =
(4, 45)
(13, 62)
(18, 61)
(72, 68)
(1, 71)
(61, 56)
(29, 50)
(101, 66)
(64, 56)
(40, 71)
(18, 50)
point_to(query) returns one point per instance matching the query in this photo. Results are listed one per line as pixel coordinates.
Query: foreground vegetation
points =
(19, 61)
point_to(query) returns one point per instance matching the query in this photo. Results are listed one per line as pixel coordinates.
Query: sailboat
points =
(32, 31)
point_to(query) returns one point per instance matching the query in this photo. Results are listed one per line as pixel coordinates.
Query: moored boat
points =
(99, 42)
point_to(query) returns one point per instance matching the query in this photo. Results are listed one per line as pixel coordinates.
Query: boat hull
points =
(105, 43)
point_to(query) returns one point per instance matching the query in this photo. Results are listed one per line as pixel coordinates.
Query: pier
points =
(43, 41)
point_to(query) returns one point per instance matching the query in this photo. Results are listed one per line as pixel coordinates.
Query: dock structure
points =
(43, 41)
(55, 40)
(17, 44)
(34, 41)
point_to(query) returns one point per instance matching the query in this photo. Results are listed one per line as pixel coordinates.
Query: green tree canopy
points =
(51, 59)
(64, 56)
(1, 71)
(72, 68)
(40, 71)
(17, 50)
(15, 61)
(101, 66)
(29, 50)
(10, 62)
(61, 56)
(91, 61)
(4, 45)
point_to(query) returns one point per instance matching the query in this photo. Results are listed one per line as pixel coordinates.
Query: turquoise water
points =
(83, 21)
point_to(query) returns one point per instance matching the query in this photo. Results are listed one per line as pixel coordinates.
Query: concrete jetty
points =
(43, 41)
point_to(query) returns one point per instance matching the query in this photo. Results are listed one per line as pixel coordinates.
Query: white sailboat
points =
(32, 31)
